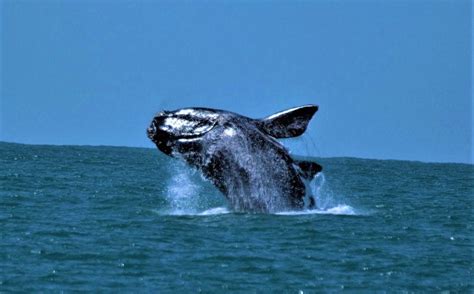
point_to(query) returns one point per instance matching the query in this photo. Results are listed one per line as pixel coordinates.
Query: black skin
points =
(245, 164)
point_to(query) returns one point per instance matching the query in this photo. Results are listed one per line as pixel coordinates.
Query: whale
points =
(241, 156)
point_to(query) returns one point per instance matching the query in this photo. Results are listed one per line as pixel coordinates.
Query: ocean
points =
(81, 218)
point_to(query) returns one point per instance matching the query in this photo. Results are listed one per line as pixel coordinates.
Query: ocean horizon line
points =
(296, 155)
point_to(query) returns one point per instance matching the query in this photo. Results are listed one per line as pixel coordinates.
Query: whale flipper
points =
(308, 169)
(289, 123)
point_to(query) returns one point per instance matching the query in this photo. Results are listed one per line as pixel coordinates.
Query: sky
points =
(392, 78)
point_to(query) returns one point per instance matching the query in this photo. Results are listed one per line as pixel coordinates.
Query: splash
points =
(181, 190)
(326, 201)
(187, 192)
(255, 177)
(324, 196)
(185, 195)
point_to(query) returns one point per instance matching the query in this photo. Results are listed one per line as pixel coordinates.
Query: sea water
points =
(131, 219)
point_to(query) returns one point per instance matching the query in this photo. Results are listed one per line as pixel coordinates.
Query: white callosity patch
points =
(176, 123)
(197, 113)
(189, 122)
(229, 132)
(184, 126)
(188, 140)
(189, 112)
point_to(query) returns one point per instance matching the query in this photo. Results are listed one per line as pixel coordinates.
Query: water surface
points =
(113, 218)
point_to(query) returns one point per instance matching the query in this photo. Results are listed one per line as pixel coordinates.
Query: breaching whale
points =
(241, 155)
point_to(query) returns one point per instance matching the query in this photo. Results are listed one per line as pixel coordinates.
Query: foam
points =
(337, 210)
(208, 212)
(215, 211)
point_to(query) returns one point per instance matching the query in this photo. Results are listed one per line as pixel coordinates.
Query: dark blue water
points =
(110, 218)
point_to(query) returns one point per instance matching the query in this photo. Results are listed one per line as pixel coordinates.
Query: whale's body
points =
(240, 155)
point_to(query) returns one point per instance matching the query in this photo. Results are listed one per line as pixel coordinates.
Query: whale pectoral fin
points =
(308, 169)
(289, 123)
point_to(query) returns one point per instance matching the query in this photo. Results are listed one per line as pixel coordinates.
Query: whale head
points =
(172, 131)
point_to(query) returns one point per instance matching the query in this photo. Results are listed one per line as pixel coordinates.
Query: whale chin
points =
(165, 148)
(160, 138)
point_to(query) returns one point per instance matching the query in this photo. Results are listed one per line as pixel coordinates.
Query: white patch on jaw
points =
(202, 129)
(229, 132)
(183, 140)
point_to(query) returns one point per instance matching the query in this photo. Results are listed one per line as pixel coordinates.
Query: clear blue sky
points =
(392, 78)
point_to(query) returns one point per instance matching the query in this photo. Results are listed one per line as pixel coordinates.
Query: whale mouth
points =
(160, 138)
(153, 132)
(150, 131)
